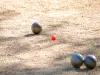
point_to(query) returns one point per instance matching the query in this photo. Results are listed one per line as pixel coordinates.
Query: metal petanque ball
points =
(90, 61)
(36, 28)
(77, 60)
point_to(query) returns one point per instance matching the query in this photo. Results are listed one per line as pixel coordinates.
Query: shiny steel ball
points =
(77, 60)
(36, 28)
(90, 61)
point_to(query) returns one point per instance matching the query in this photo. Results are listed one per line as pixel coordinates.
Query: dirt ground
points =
(76, 24)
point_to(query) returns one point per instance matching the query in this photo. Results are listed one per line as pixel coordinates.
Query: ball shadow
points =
(83, 70)
(30, 35)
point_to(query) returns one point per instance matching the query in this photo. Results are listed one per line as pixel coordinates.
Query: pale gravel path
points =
(76, 24)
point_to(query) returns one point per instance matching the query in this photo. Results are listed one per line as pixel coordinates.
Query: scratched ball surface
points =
(77, 60)
(36, 28)
(90, 61)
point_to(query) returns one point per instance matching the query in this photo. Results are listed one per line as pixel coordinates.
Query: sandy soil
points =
(76, 24)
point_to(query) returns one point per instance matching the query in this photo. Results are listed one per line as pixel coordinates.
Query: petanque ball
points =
(77, 60)
(90, 61)
(36, 28)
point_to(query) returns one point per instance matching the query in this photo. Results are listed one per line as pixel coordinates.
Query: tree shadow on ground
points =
(93, 47)
(13, 45)
(3, 39)
(15, 69)
(58, 69)
(47, 33)
(21, 69)
(8, 14)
